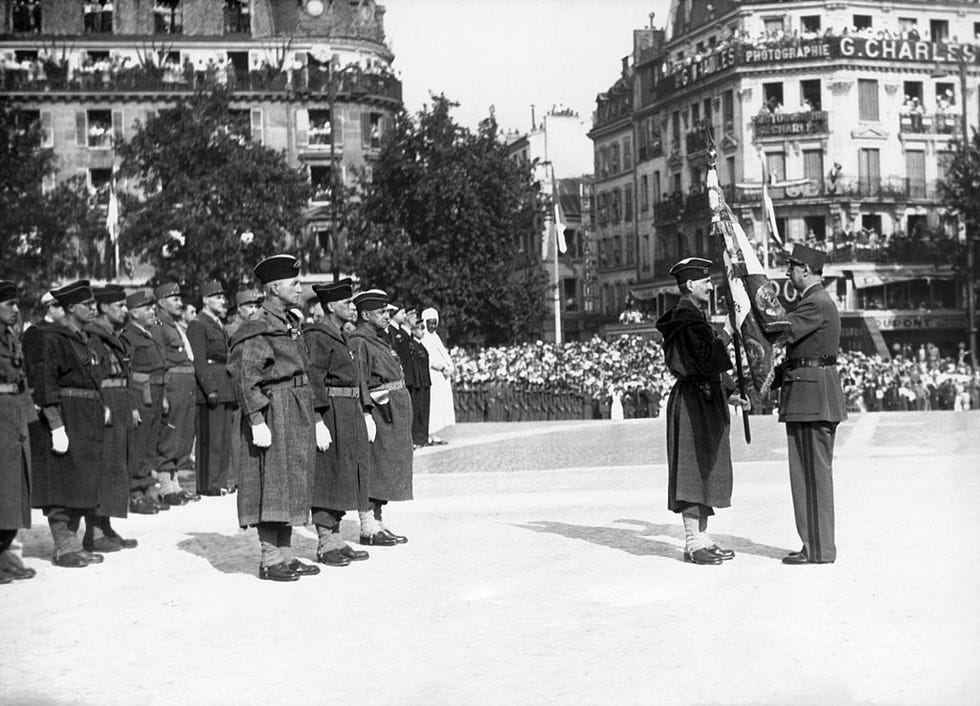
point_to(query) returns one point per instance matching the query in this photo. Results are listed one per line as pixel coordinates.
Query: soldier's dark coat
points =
(72, 480)
(148, 367)
(16, 412)
(391, 452)
(268, 360)
(37, 432)
(343, 470)
(699, 456)
(113, 354)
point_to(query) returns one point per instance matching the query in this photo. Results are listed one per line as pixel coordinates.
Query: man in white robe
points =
(442, 412)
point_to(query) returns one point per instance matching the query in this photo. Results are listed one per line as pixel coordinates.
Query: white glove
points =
(322, 436)
(372, 428)
(59, 441)
(261, 435)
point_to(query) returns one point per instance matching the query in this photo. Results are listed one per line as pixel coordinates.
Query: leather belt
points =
(396, 385)
(152, 378)
(343, 392)
(822, 362)
(181, 369)
(298, 381)
(11, 388)
(81, 392)
(114, 382)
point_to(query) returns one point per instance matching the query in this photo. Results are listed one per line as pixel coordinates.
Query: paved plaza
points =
(542, 568)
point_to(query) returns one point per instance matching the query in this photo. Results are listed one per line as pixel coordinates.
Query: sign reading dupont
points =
(903, 320)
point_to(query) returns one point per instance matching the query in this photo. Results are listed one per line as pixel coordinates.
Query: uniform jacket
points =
(16, 412)
(401, 344)
(210, 345)
(699, 460)
(269, 364)
(813, 393)
(420, 359)
(343, 470)
(167, 336)
(391, 452)
(72, 480)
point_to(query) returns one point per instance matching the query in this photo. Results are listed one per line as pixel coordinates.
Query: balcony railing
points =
(56, 79)
(813, 122)
(677, 206)
(898, 188)
(930, 123)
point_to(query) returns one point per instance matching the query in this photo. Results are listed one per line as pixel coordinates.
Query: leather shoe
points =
(354, 554)
(123, 542)
(100, 544)
(399, 539)
(378, 539)
(173, 499)
(18, 573)
(158, 502)
(723, 554)
(794, 559)
(303, 569)
(189, 496)
(702, 556)
(278, 572)
(72, 560)
(141, 506)
(332, 557)
(92, 557)
(4, 578)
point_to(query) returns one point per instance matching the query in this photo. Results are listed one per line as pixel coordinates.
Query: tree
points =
(441, 224)
(211, 202)
(960, 190)
(44, 237)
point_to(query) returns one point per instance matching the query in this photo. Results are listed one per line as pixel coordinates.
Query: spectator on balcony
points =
(91, 17)
(189, 72)
(105, 17)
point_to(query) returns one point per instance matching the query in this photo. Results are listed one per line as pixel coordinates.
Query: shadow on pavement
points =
(642, 542)
(238, 553)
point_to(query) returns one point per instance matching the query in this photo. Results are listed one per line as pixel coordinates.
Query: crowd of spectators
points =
(626, 377)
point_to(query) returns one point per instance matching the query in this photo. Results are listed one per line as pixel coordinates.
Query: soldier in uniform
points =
(269, 364)
(33, 344)
(148, 368)
(421, 395)
(247, 304)
(811, 403)
(699, 459)
(176, 442)
(391, 452)
(215, 392)
(16, 412)
(342, 400)
(67, 484)
(113, 352)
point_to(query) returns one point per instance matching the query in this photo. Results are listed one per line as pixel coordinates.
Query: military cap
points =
(140, 297)
(334, 291)
(109, 294)
(47, 299)
(801, 254)
(370, 300)
(8, 290)
(170, 289)
(277, 267)
(690, 268)
(248, 296)
(212, 289)
(74, 293)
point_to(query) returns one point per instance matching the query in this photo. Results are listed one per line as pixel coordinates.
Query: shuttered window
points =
(257, 126)
(813, 167)
(867, 99)
(915, 166)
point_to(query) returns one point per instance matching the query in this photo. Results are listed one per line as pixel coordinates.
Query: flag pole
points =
(557, 298)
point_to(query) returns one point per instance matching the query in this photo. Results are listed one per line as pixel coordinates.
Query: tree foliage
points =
(960, 191)
(203, 184)
(440, 225)
(45, 238)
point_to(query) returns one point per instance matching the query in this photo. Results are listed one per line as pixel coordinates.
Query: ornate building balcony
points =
(929, 123)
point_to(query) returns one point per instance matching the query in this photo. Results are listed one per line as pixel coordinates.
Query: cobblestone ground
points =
(542, 567)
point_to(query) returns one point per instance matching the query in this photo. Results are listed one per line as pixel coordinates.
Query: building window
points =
(810, 23)
(98, 129)
(372, 130)
(25, 16)
(773, 25)
(628, 203)
(627, 153)
(776, 165)
(913, 92)
(321, 129)
(695, 115)
(321, 181)
(908, 25)
(772, 93)
(915, 170)
(944, 159)
(728, 110)
(939, 30)
(24, 120)
(813, 167)
(862, 21)
(98, 184)
(247, 123)
(810, 95)
(656, 188)
(238, 17)
(675, 130)
(614, 158)
(677, 183)
(867, 99)
(730, 166)
(644, 193)
(945, 97)
(97, 16)
(168, 17)
(869, 171)
(816, 229)
(707, 111)
(976, 31)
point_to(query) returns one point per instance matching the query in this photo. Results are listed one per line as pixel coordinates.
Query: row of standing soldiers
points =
(307, 419)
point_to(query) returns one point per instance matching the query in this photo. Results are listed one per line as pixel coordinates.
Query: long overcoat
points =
(32, 342)
(16, 412)
(391, 452)
(343, 470)
(699, 457)
(74, 479)
(113, 352)
(269, 364)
